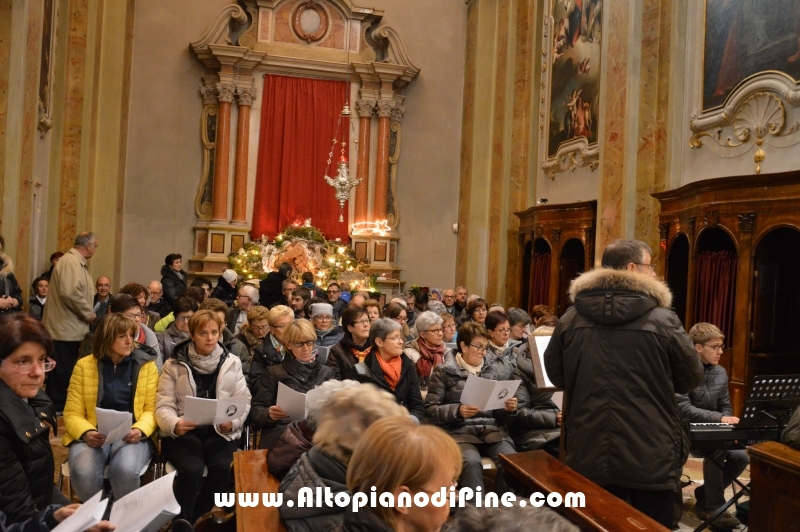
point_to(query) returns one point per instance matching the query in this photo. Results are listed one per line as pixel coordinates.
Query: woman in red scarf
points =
(427, 351)
(389, 369)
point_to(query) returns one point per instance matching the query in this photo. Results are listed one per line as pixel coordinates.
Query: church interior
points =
(499, 145)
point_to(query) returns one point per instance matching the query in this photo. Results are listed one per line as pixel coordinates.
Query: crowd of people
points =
(383, 382)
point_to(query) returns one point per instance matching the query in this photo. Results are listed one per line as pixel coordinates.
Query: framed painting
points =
(574, 36)
(744, 38)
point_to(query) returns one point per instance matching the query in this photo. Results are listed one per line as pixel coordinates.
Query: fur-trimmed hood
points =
(614, 297)
(6, 265)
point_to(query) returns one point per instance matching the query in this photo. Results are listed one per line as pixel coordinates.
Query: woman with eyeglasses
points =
(272, 349)
(117, 376)
(449, 328)
(177, 331)
(129, 307)
(26, 415)
(477, 309)
(500, 361)
(427, 351)
(200, 367)
(478, 433)
(354, 346)
(398, 313)
(389, 369)
(301, 371)
(328, 332)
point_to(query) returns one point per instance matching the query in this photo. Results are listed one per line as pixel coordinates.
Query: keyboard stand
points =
(736, 496)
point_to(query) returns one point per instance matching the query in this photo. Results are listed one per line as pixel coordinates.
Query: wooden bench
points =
(774, 487)
(540, 472)
(251, 476)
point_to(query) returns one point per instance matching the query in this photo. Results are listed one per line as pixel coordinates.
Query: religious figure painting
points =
(745, 37)
(574, 72)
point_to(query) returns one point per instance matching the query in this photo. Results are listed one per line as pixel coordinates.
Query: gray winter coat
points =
(444, 399)
(315, 469)
(621, 356)
(535, 423)
(710, 401)
(168, 339)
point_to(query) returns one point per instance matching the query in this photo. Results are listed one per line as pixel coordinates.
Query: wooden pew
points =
(251, 476)
(774, 487)
(538, 471)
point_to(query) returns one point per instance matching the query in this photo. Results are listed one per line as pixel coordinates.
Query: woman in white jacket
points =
(199, 367)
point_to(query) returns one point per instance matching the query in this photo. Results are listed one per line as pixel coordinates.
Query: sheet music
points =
(113, 424)
(214, 411)
(146, 509)
(292, 402)
(541, 346)
(487, 394)
(89, 514)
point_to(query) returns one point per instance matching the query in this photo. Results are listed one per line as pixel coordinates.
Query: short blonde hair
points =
(348, 413)
(396, 452)
(111, 326)
(703, 332)
(257, 313)
(299, 331)
(201, 318)
(278, 312)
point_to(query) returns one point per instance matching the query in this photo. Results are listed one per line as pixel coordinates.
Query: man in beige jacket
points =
(69, 313)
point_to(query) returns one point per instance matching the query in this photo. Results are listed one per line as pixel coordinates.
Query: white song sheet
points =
(214, 411)
(113, 424)
(487, 394)
(292, 402)
(89, 514)
(146, 509)
(541, 346)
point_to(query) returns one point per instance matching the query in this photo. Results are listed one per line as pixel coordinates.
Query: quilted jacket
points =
(710, 401)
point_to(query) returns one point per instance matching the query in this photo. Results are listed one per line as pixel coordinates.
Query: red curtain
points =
(716, 288)
(298, 125)
(540, 287)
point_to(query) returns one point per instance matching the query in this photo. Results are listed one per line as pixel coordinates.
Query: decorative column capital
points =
(556, 235)
(225, 92)
(385, 108)
(246, 95)
(209, 95)
(397, 111)
(365, 108)
(746, 222)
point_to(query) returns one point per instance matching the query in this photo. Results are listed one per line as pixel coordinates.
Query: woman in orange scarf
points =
(389, 369)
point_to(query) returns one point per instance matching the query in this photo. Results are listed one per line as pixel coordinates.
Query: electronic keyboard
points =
(723, 436)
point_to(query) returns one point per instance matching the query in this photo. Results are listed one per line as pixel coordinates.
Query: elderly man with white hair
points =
(246, 298)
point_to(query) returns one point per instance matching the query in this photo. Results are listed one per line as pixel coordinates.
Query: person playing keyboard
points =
(710, 403)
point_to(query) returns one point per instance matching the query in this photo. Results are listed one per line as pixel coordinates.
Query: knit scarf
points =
(475, 370)
(277, 345)
(431, 357)
(391, 370)
(499, 350)
(205, 365)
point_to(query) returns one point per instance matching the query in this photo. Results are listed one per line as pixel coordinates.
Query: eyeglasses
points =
(278, 327)
(362, 322)
(183, 318)
(401, 319)
(261, 328)
(333, 291)
(479, 348)
(449, 297)
(244, 297)
(503, 330)
(435, 331)
(716, 347)
(26, 365)
(451, 326)
(652, 268)
(137, 316)
(300, 345)
(324, 318)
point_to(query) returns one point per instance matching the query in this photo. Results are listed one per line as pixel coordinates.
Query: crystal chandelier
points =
(342, 183)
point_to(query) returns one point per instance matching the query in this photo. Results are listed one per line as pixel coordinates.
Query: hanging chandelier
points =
(342, 183)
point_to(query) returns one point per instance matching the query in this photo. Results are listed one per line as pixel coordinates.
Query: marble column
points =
(219, 201)
(379, 205)
(365, 110)
(246, 98)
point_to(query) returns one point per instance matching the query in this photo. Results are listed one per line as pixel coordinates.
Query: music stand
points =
(771, 402)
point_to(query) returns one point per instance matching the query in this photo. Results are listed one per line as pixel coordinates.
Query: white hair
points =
(317, 397)
(251, 292)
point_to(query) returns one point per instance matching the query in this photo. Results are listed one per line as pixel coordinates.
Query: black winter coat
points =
(315, 469)
(621, 356)
(264, 356)
(270, 290)
(9, 287)
(407, 390)
(224, 291)
(292, 373)
(42, 521)
(342, 360)
(172, 284)
(362, 521)
(535, 423)
(444, 399)
(26, 459)
(710, 401)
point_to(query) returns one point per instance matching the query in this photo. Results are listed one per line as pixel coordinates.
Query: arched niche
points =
(678, 273)
(775, 326)
(571, 263)
(539, 287)
(525, 277)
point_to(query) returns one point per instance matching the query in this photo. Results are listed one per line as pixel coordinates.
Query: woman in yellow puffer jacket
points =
(115, 377)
